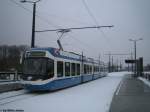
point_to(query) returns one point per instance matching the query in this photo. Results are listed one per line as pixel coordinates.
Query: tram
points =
(52, 69)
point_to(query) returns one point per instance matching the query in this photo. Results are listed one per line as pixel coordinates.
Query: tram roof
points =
(65, 54)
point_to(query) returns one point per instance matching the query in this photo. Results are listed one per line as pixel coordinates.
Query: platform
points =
(132, 95)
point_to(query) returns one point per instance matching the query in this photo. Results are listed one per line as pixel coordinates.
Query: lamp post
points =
(33, 20)
(134, 41)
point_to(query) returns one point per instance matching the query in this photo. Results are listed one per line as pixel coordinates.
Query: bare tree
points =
(10, 57)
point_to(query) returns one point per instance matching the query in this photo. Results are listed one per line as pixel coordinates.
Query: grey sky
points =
(130, 18)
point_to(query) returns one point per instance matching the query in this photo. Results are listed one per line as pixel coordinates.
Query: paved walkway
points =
(132, 95)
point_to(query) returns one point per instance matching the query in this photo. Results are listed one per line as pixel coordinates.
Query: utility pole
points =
(134, 41)
(132, 59)
(82, 63)
(99, 61)
(117, 66)
(109, 63)
(112, 66)
(33, 26)
(128, 66)
(120, 66)
(33, 20)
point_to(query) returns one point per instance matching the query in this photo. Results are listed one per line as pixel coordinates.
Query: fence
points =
(147, 75)
(10, 76)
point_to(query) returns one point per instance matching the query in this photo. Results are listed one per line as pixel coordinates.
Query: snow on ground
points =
(94, 96)
(145, 81)
(12, 93)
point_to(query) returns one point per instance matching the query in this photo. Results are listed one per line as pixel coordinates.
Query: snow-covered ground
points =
(12, 93)
(94, 96)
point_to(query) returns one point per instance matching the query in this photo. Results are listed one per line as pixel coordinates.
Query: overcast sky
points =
(131, 19)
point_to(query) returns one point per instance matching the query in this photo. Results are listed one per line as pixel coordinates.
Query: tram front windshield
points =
(34, 66)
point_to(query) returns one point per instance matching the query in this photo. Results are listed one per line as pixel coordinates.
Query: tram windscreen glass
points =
(34, 66)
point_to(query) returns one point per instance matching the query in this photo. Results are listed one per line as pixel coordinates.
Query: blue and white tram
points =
(53, 69)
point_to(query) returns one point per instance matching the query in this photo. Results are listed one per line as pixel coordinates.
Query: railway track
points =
(16, 97)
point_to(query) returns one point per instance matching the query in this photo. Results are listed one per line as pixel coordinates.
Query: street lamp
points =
(135, 40)
(33, 20)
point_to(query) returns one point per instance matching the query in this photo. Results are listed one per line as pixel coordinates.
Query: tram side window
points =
(90, 69)
(59, 68)
(97, 69)
(73, 69)
(94, 68)
(78, 69)
(67, 69)
(101, 69)
(85, 70)
(50, 68)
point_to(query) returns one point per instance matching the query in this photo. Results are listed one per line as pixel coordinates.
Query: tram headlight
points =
(29, 78)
